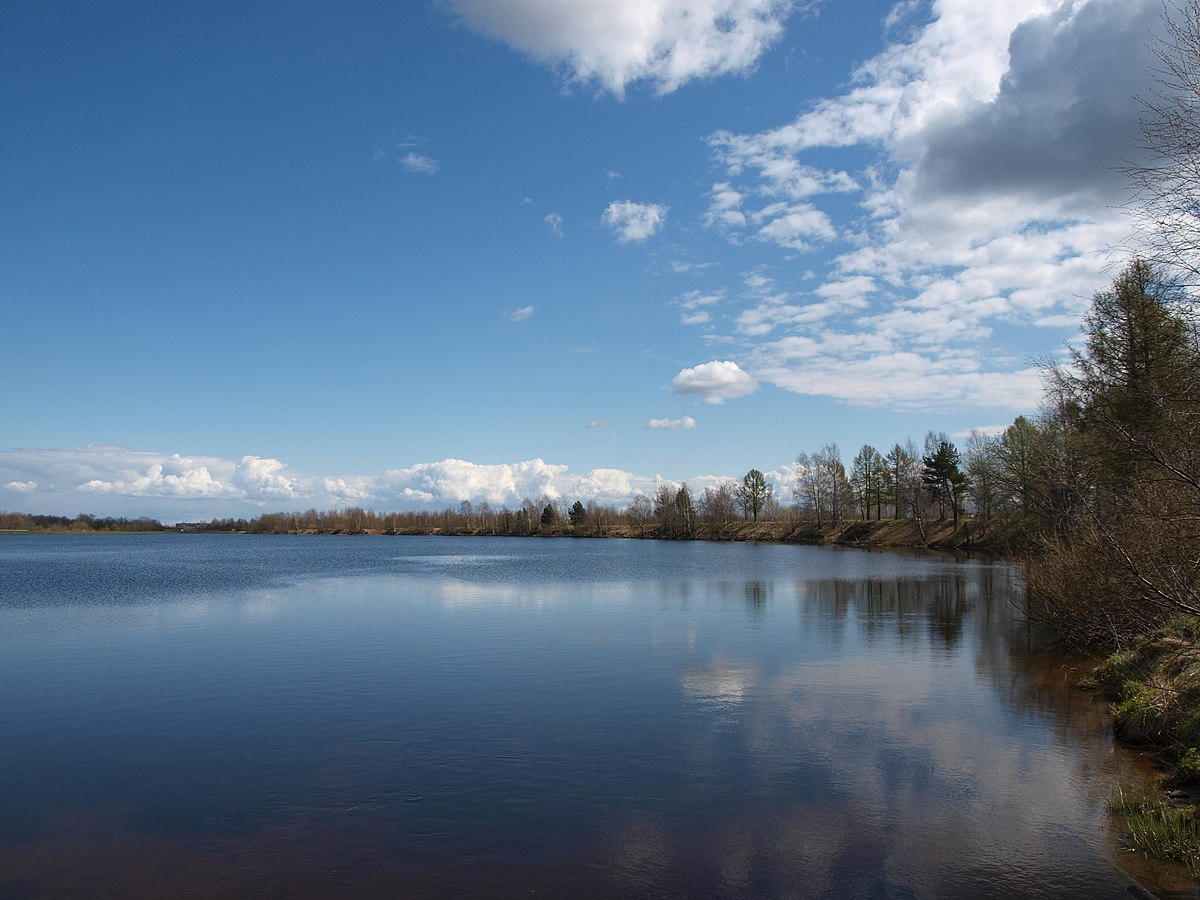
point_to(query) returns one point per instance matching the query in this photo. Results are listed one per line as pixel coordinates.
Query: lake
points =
(204, 715)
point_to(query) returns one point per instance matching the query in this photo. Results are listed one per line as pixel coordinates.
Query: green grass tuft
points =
(1159, 829)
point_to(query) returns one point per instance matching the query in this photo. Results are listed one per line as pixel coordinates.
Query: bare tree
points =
(839, 484)
(640, 510)
(684, 510)
(983, 469)
(867, 479)
(718, 505)
(1166, 199)
(822, 485)
(810, 490)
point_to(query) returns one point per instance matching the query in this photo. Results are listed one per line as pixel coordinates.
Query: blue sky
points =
(311, 254)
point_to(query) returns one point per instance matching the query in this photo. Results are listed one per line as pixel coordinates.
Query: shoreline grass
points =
(1159, 828)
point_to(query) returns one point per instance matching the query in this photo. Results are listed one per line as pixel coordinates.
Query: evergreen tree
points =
(1137, 378)
(944, 480)
(753, 494)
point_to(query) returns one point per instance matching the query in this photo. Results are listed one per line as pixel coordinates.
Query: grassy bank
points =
(1154, 693)
(1161, 826)
(1154, 689)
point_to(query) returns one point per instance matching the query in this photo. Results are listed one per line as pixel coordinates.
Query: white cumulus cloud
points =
(345, 489)
(715, 381)
(263, 477)
(187, 477)
(615, 43)
(634, 221)
(610, 486)
(455, 480)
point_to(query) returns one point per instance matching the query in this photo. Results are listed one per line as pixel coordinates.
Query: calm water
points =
(296, 716)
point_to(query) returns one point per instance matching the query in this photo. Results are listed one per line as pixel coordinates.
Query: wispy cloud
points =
(417, 162)
(555, 221)
(520, 314)
(683, 424)
(634, 221)
(694, 306)
(598, 423)
(680, 267)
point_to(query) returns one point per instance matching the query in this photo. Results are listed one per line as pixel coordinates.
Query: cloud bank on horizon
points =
(182, 487)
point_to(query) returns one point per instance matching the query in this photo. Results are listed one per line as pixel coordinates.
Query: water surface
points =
(295, 716)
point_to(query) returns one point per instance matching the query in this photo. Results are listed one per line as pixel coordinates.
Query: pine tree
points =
(944, 480)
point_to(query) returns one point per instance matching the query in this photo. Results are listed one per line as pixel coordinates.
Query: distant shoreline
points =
(970, 536)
